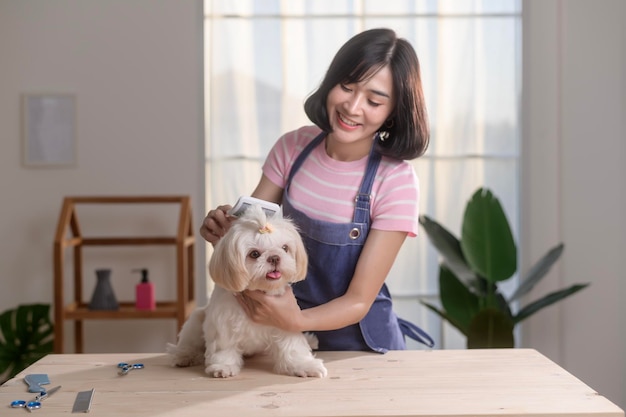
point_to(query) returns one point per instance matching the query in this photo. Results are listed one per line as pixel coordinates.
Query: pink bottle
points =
(144, 292)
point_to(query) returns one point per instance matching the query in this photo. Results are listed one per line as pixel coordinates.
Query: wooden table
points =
(507, 382)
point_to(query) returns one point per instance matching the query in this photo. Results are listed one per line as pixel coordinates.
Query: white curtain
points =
(264, 57)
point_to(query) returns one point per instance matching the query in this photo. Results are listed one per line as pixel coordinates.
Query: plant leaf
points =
(449, 247)
(26, 336)
(538, 271)
(547, 300)
(503, 305)
(443, 315)
(457, 300)
(6, 329)
(490, 328)
(486, 238)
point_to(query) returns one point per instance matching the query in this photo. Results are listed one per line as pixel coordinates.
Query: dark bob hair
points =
(360, 58)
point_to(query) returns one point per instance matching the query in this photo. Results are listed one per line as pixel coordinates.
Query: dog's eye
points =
(254, 254)
(286, 248)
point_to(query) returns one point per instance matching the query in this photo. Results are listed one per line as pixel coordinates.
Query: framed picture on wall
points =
(49, 130)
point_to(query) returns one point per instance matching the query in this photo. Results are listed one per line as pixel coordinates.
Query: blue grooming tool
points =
(35, 382)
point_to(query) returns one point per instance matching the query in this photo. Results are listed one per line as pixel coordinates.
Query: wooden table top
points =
(505, 382)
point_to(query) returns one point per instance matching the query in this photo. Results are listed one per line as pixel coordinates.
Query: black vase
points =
(103, 297)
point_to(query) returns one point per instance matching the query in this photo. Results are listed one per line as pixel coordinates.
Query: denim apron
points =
(334, 250)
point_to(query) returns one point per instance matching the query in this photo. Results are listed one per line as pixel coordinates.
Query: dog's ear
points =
(302, 259)
(227, 265)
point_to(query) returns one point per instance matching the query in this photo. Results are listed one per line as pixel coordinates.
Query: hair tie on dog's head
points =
(266, 229)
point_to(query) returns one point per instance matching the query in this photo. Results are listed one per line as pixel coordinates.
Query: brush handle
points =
(35, 382)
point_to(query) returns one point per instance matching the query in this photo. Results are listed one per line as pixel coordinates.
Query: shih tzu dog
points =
(256, 253)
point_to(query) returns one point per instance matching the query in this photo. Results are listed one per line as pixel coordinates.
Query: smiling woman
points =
(264, 59)
(344, 300)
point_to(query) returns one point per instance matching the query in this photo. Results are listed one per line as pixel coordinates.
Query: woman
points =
(346, 184)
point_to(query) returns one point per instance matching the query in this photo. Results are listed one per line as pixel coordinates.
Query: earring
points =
(384, 134)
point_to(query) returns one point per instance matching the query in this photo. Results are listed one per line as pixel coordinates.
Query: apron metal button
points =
(355, 233)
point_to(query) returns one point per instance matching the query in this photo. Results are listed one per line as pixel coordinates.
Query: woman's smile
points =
(347, 123)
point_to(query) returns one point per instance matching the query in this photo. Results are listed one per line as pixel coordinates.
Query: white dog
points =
(255, 254)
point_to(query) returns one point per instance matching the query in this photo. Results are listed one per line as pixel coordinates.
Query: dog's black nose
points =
(274, 259)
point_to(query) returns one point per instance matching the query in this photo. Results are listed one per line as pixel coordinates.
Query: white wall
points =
(135, 68)
(573, 182)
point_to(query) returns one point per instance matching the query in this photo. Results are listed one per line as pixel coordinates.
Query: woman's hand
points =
(217, 221)
(280, 311)
(216, 224)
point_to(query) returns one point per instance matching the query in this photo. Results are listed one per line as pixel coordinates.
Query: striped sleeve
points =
(396, 198)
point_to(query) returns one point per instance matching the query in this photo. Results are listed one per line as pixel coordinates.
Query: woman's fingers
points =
(215, 224)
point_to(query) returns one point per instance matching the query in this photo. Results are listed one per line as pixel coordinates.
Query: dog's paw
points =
(186, 362)
(219, 370)
(313, 368)
(183, 358)
(312, 340)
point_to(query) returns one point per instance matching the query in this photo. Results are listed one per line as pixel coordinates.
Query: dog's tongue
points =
(273, 275)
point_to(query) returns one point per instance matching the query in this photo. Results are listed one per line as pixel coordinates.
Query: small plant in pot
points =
(472, 267)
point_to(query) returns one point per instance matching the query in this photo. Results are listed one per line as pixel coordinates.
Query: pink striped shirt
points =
(325, 188)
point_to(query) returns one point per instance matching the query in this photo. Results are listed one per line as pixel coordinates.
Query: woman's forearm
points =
(336, 314)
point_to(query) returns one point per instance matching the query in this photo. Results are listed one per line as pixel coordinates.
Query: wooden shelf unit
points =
(77, 309)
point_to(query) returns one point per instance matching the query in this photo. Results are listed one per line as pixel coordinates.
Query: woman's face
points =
(356, 111)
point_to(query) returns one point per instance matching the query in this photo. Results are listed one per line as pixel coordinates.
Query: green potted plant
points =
(473, 266)
(26, 335)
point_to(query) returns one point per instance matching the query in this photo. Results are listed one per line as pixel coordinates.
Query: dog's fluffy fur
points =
(256, 254)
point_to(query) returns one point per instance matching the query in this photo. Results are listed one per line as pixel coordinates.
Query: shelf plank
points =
(113, 241)
(127, 310)
(126, 199)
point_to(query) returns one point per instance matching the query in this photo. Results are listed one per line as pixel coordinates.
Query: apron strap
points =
(415, 333)
(300, 159)
(363, 197)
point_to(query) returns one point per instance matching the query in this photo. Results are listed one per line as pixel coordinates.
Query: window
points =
(264, 57)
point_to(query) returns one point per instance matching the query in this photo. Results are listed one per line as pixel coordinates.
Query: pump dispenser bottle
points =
(144, 292)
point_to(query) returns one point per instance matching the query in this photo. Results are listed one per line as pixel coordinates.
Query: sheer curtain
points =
(263, 57)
